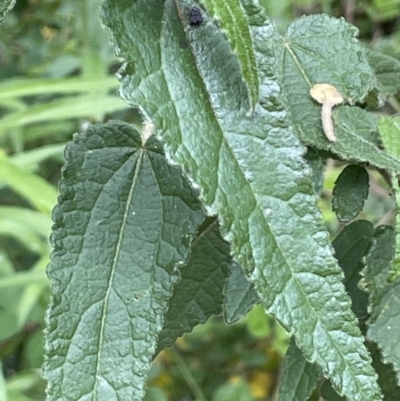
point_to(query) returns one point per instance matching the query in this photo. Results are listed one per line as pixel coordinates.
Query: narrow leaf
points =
(299, 378)
(234, 23)
(125, 219)
(68, 107)
(387, 377)
(350, 192)
(39, 193)
(389, 128)
(350, 246)
(329, 394)
(250, 172)
(240, 295)
(19, 87)
(199, 294)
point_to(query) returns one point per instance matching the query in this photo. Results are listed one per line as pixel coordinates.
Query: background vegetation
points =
(56, 78)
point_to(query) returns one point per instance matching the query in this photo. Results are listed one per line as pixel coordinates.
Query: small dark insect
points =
(195, 17)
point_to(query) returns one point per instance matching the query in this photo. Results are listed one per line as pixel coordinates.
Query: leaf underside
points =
(250, 171)
(350, 192)
(200, 292)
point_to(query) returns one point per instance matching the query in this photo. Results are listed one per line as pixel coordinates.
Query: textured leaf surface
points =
(384, 324)
(299, 378)
(240, 295)
(5, 7)
(112, 274)
(387, 71)
(320, 49)
(250, 172)
(233, 21)
(389, 128)
(350, 246)
(350, 192)
(317, 163)
(200, 293)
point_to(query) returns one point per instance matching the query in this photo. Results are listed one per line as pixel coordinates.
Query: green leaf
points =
(384, 322)
(239, 391)
(18, 87)
(389, 128)
(316, 160)
(258, 323)
(240, 295)
(350, 192)
(67, 107)
(329, 394)
(31, 159)
(200, 293)
(320, 49)
(5, 7)
(124, 222)
(3, 389)
(233, 22)
(350, 246)
(33, 188)
(387, 377)
(250, 172)
(299, 377)
(387, 71)
(385, 328)
(38, 223)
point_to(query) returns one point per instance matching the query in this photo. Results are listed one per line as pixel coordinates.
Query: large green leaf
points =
(124, 222)
(250, 171)
(320, 49)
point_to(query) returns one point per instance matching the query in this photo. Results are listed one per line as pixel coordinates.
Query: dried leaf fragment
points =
(328, 96)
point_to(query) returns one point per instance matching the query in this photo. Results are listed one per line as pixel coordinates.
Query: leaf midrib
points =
(113, 268)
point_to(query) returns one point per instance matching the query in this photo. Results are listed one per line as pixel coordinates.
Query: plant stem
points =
(185, 371)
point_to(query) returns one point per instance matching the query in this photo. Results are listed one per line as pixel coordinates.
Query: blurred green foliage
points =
(56, 78)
